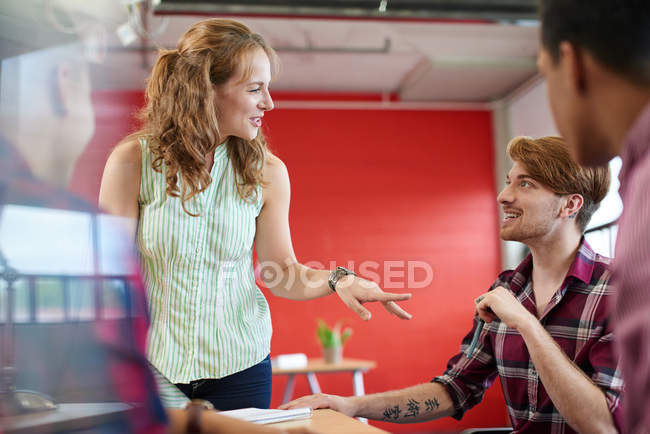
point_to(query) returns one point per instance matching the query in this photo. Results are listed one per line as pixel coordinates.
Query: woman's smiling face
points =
(241, 102)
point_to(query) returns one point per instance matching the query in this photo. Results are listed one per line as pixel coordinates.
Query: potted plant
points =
(332, 340)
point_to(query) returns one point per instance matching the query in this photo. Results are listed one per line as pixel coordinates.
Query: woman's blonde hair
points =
(180, 117)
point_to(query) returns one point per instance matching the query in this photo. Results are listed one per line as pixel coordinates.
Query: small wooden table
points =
(318, 366)
(331, 422)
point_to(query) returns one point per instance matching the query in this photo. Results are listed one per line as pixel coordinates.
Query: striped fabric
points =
(576, 317)
(170, 395)
(208, 317)
(632, 275)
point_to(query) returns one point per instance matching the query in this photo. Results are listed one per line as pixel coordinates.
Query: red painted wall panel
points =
(372, 185)
(388, 185)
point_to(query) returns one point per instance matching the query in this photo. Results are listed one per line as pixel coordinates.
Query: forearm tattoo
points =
(392, 414)
(432, 404)
(413, 408)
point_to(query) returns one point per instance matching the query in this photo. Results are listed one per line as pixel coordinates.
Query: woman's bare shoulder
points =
(128, 151)
(273, 167)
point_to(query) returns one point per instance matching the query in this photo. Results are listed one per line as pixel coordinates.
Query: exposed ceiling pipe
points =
(309, 48)
(483, 10)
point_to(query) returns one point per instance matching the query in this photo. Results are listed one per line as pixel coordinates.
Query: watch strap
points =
(336, 275)
(194, 409)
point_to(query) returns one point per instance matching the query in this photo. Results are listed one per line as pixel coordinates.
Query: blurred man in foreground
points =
(79, 310)
(595, 55)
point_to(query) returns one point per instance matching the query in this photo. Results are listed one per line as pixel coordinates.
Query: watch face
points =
(337, 274)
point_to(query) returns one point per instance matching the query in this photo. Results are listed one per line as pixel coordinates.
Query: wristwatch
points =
(194, 409)
(337, 274)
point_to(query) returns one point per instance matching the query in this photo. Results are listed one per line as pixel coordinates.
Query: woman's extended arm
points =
(290, 278)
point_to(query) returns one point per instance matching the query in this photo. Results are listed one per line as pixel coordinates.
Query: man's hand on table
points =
(321, 400)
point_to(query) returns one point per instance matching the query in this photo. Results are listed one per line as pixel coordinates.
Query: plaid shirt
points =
(114, 367)
(577, 317)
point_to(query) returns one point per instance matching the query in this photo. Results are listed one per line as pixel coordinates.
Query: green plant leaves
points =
(332, 337)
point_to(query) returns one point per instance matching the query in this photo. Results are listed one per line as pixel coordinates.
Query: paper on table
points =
(263, 416)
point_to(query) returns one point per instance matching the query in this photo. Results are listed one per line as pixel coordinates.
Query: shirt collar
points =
(581, 268)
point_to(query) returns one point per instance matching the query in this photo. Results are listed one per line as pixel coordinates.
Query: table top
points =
(319, 365)
(331, 422)
(66, 417)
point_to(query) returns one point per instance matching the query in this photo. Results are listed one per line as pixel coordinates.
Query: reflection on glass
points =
(49, 299)
(62, 298)
(22, 302)
(64, 240)
(82, 303)
(77, 270)
(3, 302)
(115, 299)
(113, 242)
(62, 265)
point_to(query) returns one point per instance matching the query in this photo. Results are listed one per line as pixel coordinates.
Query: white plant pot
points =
(333, 355)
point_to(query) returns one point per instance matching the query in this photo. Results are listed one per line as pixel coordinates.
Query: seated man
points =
(547, 333)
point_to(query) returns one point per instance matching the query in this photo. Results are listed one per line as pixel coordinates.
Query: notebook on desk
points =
(262, 416)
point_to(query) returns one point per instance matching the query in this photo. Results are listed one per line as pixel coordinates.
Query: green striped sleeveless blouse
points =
(208, 317)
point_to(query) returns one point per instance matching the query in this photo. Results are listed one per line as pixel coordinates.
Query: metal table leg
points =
(288, 389)
(313, 383)
(357, 381)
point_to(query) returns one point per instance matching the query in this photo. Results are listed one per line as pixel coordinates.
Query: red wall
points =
(373, 185)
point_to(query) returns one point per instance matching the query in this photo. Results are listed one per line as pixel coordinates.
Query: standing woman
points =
(204, 188)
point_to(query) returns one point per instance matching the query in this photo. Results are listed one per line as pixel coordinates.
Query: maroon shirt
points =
(632, 275)
(577, 318)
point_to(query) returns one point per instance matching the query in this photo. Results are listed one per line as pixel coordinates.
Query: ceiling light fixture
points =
(129, 31)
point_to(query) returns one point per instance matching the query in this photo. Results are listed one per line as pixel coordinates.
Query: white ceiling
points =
(423, 61)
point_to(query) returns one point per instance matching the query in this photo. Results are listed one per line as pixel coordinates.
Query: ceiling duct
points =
(489, 10)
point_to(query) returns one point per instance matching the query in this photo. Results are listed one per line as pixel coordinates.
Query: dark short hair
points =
(615, 32)
(547, 160)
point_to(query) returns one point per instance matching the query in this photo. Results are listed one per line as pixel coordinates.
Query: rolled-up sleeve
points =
(607, 374)
(468, 376)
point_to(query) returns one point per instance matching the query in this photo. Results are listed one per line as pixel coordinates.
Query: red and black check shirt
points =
(577, 317)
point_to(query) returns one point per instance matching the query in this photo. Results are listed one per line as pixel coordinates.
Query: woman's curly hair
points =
(180, 118)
